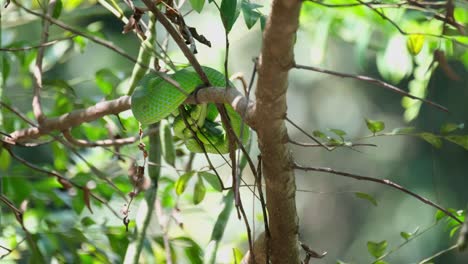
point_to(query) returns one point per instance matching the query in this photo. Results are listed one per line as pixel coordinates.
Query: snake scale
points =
(154, 99)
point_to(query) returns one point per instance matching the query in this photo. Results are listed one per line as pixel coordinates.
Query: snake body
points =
(156, 99)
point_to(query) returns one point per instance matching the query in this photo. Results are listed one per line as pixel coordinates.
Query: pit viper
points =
(155, 99)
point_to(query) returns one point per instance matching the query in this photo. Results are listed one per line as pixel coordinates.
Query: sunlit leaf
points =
(462, 141)
(395, 63)
(181, 183)
(236, 256)
(168, 200)
(450, 127)
(106, 80)
(229, 13)
(57, 9)
(338, 132)
(5, 64)
(375, 126)
(5, 159)
(319, 134)
(432, 139)
(251, 15)
(377, 249)
(439, 215)
(199, 191)
(454, 230)
(197, 5)
(407, 235)
(415, 43)
(167, 142)
(212, 179)
(367, 197)
(80, 42)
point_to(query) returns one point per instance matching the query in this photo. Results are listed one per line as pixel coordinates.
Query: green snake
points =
(155, 99)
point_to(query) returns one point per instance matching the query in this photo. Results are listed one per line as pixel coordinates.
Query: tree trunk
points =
(275, 62)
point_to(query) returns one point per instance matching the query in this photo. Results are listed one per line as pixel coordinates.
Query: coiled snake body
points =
(156, 99)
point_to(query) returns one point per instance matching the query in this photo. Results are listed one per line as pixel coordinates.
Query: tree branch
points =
(66, 121)
(371, 80)
(381, 181)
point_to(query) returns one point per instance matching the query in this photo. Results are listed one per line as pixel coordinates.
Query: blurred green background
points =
(80, 73)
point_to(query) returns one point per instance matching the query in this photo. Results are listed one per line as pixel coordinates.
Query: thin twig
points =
(308, 135)
(438, 254)
(380, 181)
(371, 80)
(331, 145)
(384, 17)
(45, 44)
(105, 142)
(178, 39)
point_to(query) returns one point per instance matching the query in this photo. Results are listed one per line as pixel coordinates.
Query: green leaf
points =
(407, 235)
(5, 68)
(450, 127)
(229, 13)
(462, 141)
(251, 15)
(377, 249)
(167, 199)
(432, 139)
(319, 134)
(181, 183)
(5, 159)
(106, 80)
(391, 67)
(367, 197)
(80, 42)
(338, 132)
(57, 9)
(167, 142)
(87, 221)
(415, 43)
(439, 215)
(212, 180)
(263, 19)
(197, 5)
(236, 256)
(199, 191)
(454, 230)
(223, 217)
(375, 126)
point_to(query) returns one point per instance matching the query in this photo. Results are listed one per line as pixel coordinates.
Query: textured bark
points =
(275, 62)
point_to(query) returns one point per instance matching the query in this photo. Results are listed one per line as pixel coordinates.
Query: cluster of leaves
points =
(379, 250)
(230, 10)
